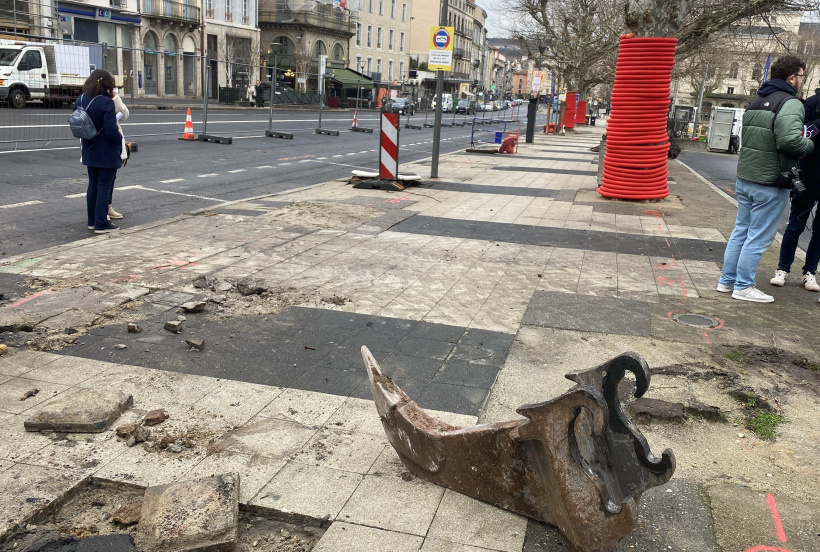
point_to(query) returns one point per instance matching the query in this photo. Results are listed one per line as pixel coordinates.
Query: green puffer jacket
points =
(759, 161)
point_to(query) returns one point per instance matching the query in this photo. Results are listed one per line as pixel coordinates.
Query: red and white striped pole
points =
(389, 151)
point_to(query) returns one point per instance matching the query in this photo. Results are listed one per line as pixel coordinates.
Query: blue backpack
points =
(80, 122)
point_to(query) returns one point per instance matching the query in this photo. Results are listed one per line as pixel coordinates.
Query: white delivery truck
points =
(725, 124)
(46, 72)
(446, 103)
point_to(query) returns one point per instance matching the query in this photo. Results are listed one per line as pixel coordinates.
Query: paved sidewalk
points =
(476, 292)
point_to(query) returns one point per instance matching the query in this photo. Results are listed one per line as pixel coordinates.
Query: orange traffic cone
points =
(355, 120)
(189, 128)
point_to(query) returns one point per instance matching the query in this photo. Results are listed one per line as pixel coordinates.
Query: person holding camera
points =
(772, 139)
(801, 209)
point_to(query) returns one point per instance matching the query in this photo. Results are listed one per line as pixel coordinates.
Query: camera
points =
(791, 179)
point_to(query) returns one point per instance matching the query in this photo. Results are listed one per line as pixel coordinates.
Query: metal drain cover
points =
(696, 320)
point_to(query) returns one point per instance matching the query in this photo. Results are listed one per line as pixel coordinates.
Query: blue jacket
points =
(104, 150)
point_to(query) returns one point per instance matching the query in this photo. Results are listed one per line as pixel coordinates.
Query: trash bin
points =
(592, 120)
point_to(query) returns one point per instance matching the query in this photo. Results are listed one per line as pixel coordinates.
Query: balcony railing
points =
(171, 10)
(325, 19)
(459, 52)
(463, 77)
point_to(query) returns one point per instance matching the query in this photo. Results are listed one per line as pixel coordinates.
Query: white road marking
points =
(352, 153)
(171, 180)
(306, 160)
(365, 151)
(72, 196)
(321, 158)
(21, 204)
(177, 193)
(39, 149)
(338, 156)
(207, 175)
(265, 167)
(280, 164)
(237, 170)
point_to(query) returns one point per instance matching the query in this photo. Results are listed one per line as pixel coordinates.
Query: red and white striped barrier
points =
(389, 151)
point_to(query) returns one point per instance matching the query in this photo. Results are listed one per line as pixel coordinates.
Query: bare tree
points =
(302, 60)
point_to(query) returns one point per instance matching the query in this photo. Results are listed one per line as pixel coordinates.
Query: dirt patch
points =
(90, 512)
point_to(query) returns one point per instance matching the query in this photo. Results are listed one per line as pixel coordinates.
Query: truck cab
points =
(23, 74)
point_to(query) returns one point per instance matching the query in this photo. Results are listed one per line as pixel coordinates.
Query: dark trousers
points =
(100, 186)
(798, 217)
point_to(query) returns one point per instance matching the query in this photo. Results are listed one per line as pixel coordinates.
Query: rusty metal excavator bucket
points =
(576, 462)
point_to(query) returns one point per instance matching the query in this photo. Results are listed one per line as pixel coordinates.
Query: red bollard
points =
(581, 114)
(571, 109)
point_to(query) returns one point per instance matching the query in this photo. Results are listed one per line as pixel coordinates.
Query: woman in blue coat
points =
(102, 154)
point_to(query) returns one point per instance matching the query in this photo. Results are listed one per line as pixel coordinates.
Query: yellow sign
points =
(440, 57)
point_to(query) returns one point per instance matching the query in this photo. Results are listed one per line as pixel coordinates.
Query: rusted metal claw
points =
(576, 462)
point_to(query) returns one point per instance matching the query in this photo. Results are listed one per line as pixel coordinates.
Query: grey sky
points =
(495, 15)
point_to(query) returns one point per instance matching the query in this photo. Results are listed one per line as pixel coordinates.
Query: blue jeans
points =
(798, 217)
(758, 213)
(100, 186)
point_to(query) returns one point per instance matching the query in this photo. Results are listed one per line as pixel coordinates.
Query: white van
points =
(446, 103)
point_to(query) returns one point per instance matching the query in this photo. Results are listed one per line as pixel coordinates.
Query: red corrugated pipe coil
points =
(636, 140)
(571, 109)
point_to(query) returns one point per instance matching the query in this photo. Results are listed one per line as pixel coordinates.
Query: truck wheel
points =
(17, 99)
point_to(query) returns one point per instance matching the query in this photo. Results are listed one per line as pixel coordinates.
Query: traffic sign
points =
(440, 57)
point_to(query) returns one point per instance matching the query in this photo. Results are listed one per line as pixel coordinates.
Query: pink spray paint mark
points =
(27, 299)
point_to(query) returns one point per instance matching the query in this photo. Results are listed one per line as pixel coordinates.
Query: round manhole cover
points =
(696, 320)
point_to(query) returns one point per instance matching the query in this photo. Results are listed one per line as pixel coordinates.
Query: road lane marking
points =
(38, 149)
(171, 180)
(72, 196)
(265, 167)
(146, 188)
(21, 204)
(237, 170)
(207, 175)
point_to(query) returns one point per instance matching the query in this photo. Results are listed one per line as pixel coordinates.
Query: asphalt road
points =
(42, 184)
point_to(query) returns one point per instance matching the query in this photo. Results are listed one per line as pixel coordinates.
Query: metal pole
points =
(205, 95)
(133, 81)
(439, 94)
(700, 99)
(321, 96)
(272, 95)
(359, 93)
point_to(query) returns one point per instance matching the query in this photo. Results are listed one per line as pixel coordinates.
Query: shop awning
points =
(351, 79)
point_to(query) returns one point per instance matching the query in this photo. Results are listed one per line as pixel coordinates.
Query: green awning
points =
(351, 79)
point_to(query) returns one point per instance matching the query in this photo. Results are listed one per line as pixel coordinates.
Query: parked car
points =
(446, 103)
(487, 106)
(467, 107)
(405, 106)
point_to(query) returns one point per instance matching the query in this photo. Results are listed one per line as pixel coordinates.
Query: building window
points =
(369, 64)
(392, 9)
(209, 8)
(730, 90)
(404, 12)
(401, 42)
(370, 6)
(378, 37)
(733, 70)
(369, 36)
(358, 34)
(379, 65)
(401, 70)
(381, 7)
(390, 70)
(228, 11)
(359, 63)
(757, 72)
(390, 40)
(246, 20)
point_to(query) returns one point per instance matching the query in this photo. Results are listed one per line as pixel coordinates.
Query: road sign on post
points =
(440, 57)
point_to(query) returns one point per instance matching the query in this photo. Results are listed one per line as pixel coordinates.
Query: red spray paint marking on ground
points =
(667, 243)
(778, 525)
(27, 299)
(683, 285)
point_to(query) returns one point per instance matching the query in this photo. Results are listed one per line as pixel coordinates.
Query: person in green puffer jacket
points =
(772, 142)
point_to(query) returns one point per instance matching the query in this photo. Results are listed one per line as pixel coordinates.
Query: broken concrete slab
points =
(174, 326)
(82, 411)
(223, 286)
(201, 515)
(107, 543)
(251, 287)
(128, 515)
(155, 417)
(134, 328)
(202, 282)
(195, 344)
(193, 306)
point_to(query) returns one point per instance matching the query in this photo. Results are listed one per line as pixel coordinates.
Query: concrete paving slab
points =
(347, 536)
(313, 491)
(198, 515)
(305, 407)
(269, 437)
(68, 370)
(80, 411)
(139, 467)
(392, 503)
(343, 450)
(464, 520)
(255, 471)
(13, 390)
(438, 545)
(19, 361)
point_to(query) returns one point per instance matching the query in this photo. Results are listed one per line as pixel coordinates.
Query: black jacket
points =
(104, 150)
(810, 165)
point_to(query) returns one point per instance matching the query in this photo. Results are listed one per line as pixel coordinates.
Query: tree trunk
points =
(655, 17)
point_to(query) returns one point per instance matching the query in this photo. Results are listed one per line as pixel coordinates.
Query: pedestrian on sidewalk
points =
(251, 95)
(772, 141)
(122, 115)
(101, 155)
(370, 100)
(801, 208)
(260, 95)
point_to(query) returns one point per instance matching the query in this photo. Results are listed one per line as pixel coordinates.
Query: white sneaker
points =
(779, 279)
(810, 282)
(752, 294)
(723, 288)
